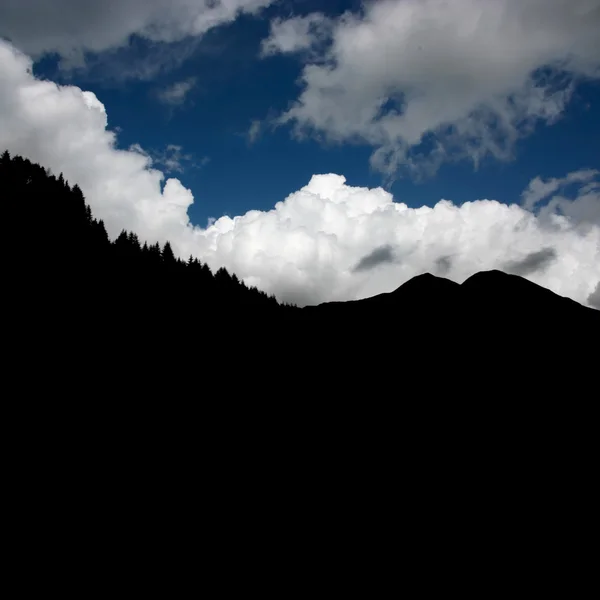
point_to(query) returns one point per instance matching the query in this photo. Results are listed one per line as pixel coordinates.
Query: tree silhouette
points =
(168, 255)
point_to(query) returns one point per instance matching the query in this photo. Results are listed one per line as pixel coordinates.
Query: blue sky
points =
(230, 86)
(235, 86)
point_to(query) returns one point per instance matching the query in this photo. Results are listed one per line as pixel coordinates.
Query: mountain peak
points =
(490, 275)
(426, 282)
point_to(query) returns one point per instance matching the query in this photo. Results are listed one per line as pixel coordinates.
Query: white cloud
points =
(296, 34)
(72, 27)
(176, 93)
(327, 241)
(425, 81)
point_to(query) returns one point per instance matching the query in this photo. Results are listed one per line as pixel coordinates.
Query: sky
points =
(323, 150)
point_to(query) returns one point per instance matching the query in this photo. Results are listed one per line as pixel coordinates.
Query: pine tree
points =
(122, 240)
(167, 255)
(134, 242)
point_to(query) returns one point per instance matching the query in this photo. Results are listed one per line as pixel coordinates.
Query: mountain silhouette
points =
(119, 358)
(71, 282)
(494, 297)
(138, 384)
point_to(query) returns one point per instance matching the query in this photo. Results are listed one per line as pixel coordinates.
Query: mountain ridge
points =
(487, 280)
(488, 307)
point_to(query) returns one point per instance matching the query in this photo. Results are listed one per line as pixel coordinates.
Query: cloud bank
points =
(332, 241)
(326, 241)
(427, 81)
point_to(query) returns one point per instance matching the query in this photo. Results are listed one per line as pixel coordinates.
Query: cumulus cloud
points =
(65, 129)
(73, 27)
(311, 243)
(425, 81)
(176, 93)
(307, 247)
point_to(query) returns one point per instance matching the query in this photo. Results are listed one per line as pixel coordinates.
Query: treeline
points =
(64, 262)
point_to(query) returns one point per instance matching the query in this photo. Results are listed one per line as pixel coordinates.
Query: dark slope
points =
(420, 292)
(511, 292)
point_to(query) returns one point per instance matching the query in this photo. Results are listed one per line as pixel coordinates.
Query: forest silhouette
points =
(67, 255)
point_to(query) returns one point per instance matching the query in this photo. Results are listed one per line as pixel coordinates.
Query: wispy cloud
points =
(574, 195)
(176, 93)
(540, 189)
(172, 159)
(254, 131)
